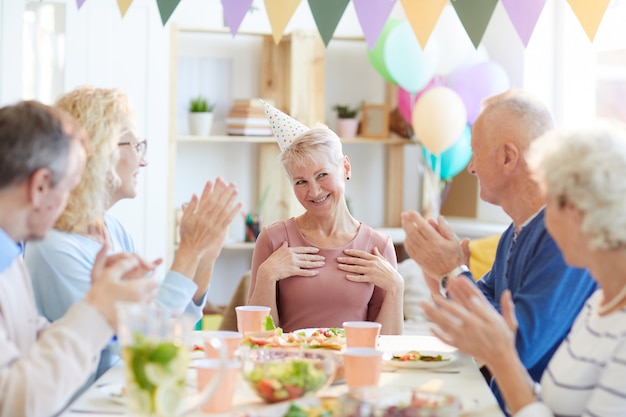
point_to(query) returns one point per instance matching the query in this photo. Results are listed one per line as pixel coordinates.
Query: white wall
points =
(130, 54)
(10, 51)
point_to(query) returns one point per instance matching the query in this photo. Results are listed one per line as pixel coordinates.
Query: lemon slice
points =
(139, 401)
(178, 365)
(159, 375)
(167, 398)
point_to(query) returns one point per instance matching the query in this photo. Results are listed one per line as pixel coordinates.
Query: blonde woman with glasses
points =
(60, 264)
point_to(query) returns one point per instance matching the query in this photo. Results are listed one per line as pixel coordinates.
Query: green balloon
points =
(377, 55)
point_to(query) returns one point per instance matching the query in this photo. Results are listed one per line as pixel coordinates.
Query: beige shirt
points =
(43, 365)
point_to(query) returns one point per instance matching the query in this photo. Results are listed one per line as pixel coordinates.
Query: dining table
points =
(460, 377)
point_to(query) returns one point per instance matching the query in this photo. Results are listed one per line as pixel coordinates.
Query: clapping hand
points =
(204, 225)
(120, 278)
(432, 244)
(205, 220)
(468, 321)
(142, 269)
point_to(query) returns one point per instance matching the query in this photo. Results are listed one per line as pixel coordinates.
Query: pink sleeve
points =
(390, 253)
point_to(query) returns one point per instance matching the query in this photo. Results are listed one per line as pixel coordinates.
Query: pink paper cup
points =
(222, 399)
(251, 318)
(362, 366)
(231, 339)
(361, 333)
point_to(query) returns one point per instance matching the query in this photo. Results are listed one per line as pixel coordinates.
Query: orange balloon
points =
(439, 118)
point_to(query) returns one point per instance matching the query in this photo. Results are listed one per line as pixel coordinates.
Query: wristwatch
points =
(537, 391)
(443, 281)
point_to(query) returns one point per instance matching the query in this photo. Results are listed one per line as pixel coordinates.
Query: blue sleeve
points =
(176, 293)
(60, 271)
(487, 287)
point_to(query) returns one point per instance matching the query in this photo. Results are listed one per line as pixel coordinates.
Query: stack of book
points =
(247, 118)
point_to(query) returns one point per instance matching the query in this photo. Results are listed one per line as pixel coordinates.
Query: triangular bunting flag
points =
(475, 15)
(79, 3)
(589, 14)
(422, 16)
(524, 16)
(279, 13)
(327, 14)
(123, 5)
(234, 12)
(372, 15)
(166, 8)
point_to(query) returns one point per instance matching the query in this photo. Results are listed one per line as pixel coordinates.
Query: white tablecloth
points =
(460, 378)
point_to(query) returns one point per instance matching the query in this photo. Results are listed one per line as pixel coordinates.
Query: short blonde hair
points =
(319, 141)
(103, 114)
(587, 168)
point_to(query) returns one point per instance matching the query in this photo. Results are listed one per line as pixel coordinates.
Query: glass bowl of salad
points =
(286, 374)
(398, 402)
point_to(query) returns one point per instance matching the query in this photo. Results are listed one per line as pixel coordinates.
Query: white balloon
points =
(453, 41)
(405, 61)
(439, 118)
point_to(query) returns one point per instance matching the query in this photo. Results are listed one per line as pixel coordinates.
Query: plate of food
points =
(414, 359)
(313, 338)
(333, 338)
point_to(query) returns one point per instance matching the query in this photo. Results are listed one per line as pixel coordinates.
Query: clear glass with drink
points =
(155, 344)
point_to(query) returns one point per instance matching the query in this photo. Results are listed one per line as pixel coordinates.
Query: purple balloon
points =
(477, 82)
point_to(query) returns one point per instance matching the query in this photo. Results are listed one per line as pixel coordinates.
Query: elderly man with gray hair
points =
(548, 293)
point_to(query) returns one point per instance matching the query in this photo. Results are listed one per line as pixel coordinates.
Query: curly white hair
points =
(587, 168)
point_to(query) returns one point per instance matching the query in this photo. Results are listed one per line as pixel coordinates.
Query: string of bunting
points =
(373, 14)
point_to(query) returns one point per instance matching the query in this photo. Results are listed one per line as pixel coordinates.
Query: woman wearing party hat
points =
(323, 267)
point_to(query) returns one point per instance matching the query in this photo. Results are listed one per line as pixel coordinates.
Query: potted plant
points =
(200, 116)
(347, 122)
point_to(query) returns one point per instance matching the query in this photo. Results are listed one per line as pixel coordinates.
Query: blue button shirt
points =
(9, 250)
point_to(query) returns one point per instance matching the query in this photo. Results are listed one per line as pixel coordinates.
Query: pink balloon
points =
(477, 82)
(406, 102)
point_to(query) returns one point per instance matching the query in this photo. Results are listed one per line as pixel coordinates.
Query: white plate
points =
(196, 354)
(447, 357)
(113, 392)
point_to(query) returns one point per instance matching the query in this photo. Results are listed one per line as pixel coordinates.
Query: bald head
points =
(515, 116)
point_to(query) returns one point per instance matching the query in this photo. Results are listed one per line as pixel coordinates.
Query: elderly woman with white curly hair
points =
(583, 174)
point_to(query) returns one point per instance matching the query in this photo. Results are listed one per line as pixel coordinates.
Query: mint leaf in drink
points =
(138, 360)
(163, 353)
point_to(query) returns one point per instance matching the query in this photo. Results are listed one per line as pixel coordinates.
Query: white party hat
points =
(285, 128)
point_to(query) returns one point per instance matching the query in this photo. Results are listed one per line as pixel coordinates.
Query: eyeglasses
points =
(140, 147)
